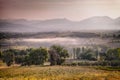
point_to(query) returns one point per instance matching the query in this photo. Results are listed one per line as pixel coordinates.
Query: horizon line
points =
(55, 18)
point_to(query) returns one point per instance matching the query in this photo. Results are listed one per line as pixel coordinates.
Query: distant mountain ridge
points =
(93, 23)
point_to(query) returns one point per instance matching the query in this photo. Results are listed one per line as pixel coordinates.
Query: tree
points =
(8, 58)
(76, 52)
(26, 61)
(88, 54)
(38, 56)
(0, 55)
(113, 54)
(53, 57)
(57, 54)
(19, 59)
(20, 55)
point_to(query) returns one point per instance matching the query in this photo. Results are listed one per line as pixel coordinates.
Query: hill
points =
(93, 23)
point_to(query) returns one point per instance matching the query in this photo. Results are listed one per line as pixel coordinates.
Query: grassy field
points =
(57, 73)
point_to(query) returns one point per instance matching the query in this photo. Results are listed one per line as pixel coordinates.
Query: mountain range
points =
(92, 23)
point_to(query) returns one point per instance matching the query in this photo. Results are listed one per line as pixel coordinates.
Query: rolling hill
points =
(93, 23)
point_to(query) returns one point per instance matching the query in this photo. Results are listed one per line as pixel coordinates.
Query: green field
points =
(57, 73)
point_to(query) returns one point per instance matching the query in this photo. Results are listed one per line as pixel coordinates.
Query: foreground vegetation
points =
(57, 55)
(57, 73)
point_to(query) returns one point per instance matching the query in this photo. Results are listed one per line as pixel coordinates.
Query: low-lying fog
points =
(65, 41)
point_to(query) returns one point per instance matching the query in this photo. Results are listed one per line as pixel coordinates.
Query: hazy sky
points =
(47, 9)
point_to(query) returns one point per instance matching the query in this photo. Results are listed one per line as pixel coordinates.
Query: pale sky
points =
(50, 9)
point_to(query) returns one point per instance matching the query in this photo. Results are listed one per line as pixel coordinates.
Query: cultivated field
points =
(57, 73)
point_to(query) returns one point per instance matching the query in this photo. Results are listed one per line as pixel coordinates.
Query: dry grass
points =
(57, 73)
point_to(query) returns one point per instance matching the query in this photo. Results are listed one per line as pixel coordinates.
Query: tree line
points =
(99, 55)
(55, 55)
(108, 57)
